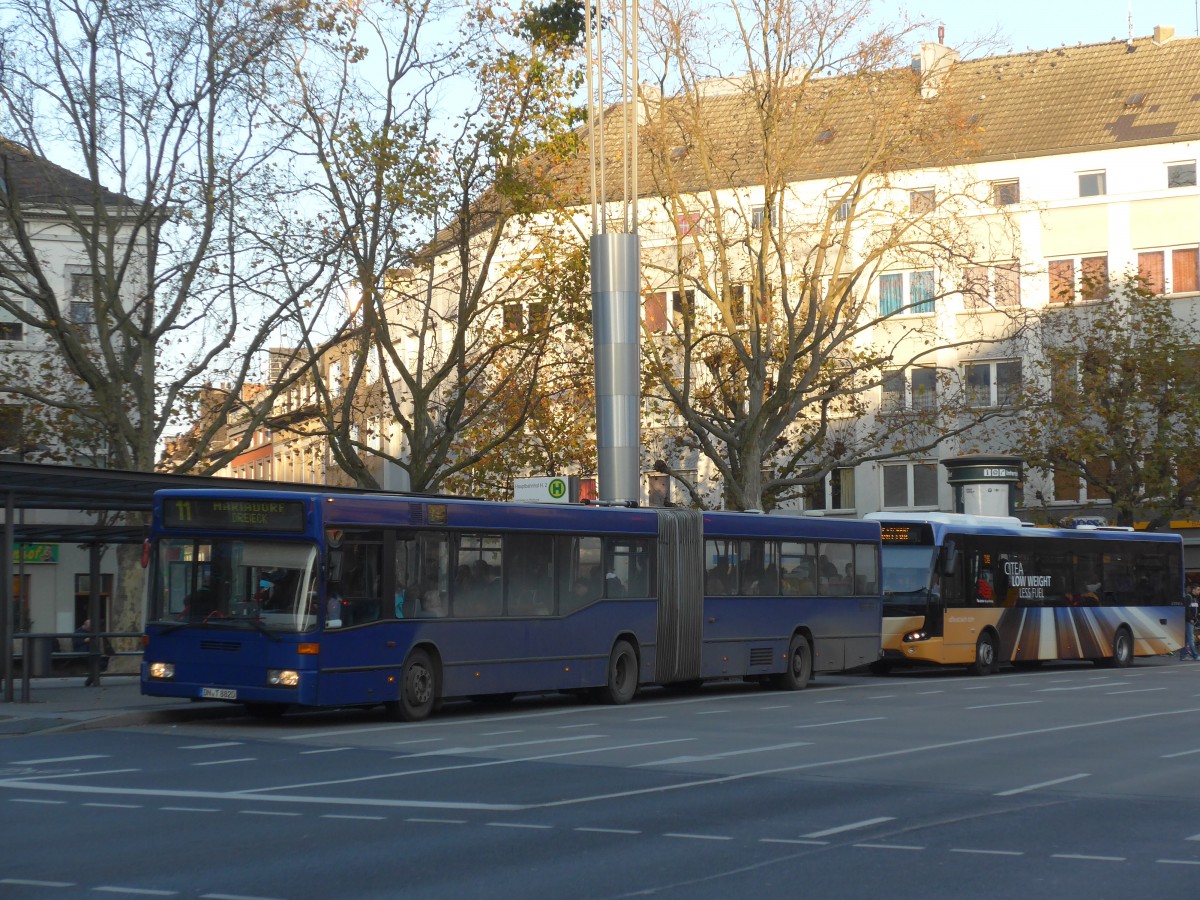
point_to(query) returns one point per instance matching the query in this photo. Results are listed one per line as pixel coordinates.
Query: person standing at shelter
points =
(1189, 624)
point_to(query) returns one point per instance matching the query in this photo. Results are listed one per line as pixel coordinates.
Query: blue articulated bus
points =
(279, 599)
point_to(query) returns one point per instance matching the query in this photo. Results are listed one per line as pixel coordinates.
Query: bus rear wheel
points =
(418, 689)
(622, 675)
(986, 659)
(1122, 655)
(799, 666)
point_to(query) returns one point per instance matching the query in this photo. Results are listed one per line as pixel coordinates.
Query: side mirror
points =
(949, 558)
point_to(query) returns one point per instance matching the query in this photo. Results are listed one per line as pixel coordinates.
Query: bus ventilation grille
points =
(221, 646)
(761, 656)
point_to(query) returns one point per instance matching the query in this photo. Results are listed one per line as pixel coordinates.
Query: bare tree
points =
(137, 265)
(782, 199)
(436, 220)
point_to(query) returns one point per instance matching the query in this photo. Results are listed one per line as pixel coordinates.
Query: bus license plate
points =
(218, 693)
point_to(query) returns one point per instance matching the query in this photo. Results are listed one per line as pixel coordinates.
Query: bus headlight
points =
(915, 636)
(161, 671)
(283, 677)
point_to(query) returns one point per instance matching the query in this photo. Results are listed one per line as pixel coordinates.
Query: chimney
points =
(933, 63)
(1163, 34)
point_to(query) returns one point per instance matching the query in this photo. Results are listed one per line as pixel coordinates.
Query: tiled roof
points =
(1029, 104)
(40, 182)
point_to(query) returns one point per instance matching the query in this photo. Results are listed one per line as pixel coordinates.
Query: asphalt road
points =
(1068, 781)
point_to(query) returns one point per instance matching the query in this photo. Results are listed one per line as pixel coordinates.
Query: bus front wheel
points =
(799, 666)
(986, 659)
(622, 675)
(418, 689)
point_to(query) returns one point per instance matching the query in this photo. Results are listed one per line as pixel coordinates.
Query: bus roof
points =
(943, 523)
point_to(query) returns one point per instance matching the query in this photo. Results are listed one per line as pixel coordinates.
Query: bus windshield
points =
(906, 576)
(248, 584)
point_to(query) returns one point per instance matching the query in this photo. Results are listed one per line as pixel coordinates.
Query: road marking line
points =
(437, 821)
(32, 882)
(690, 759)
(1012, 703)
(607, 830)
(1181, 753)
(889, 847)
(57, 759)
(1087, 857)
(1082, 687)
(148, 892)
(987, 852)
(865, 823)
(1034, 787)
(698, 837)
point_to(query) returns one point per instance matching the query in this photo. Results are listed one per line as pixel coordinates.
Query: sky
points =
(1040, 24)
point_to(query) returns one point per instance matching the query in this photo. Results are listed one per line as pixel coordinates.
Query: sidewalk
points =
(64, 704)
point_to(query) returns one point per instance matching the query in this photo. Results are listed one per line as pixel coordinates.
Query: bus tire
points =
(1122, 655)
(418, 689)
(799, 666)
(622, 675)
(986, 658)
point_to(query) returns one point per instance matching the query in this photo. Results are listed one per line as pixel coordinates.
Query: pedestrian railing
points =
(40, 650)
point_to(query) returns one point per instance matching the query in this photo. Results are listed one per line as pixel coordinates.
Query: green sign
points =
(34, 554)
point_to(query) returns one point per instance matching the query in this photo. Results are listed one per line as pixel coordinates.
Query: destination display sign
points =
(906, 533)
(234, 515)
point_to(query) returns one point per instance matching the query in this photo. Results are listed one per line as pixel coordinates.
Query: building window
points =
(1070, 488)
(917, 299)
(910, 484)
(654, 312)
(514, 319)
(658, 490)
(1006, 193)
(988, 287)
(993, 383)
(11, 328)
(921, 201)
(1092, 184)
(1092, 282)
(11, 420)
(688, 223)
(1177, 278)
(1181, 174)
(834, 491)
(758, 215)
(909, 390)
